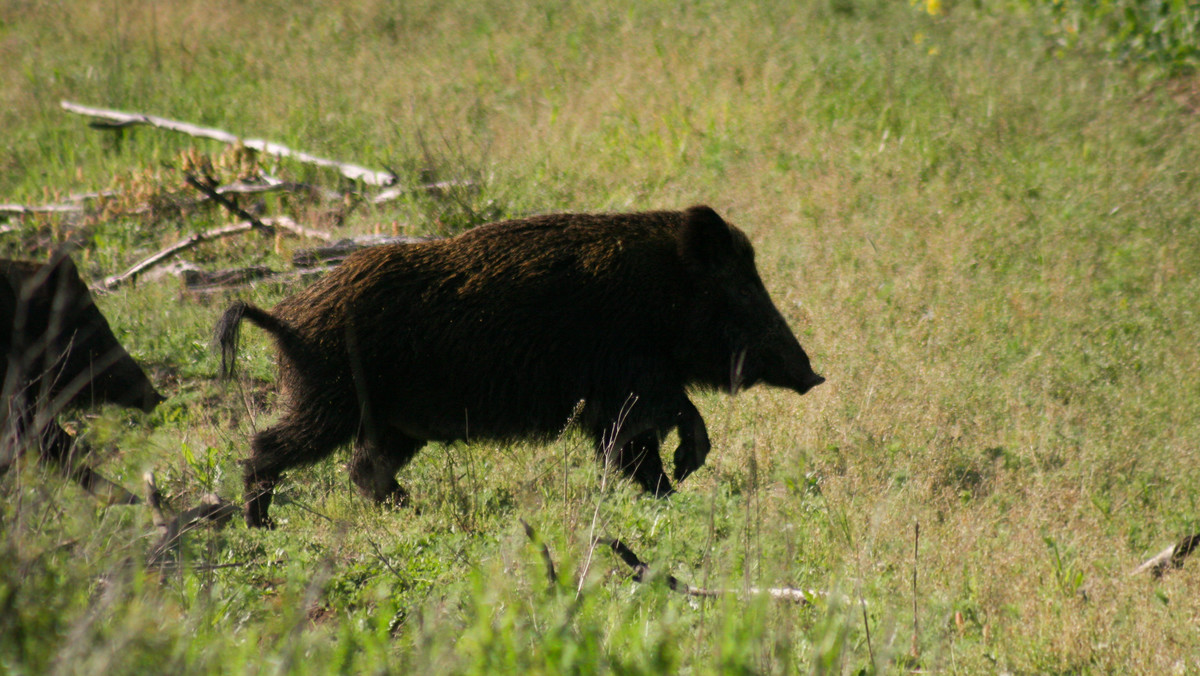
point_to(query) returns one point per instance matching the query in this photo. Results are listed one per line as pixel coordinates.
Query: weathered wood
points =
(267, 226)
(641, 571)
(202, 290)
(339, 250)
(224, 201)
(23, 210)
(436, 188)
(551, 574)
(1171, 557)
(194, 279)
(212, 509)
(116, 119)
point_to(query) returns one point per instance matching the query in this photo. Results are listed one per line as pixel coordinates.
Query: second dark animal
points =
(499, 333)
(57, 351)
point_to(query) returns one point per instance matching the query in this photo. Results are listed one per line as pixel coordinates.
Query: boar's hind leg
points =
(375, 463)
(693, 442)
(295, 440)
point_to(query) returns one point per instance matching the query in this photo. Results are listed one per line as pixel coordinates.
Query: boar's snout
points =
(799, 378)
(126, 384)
(806, 384)
(788, 366)
(151, 399)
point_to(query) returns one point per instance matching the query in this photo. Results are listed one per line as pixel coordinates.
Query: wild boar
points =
(57, 352)
(500, 332)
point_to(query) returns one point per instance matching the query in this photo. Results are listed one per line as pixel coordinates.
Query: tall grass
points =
(987, 243)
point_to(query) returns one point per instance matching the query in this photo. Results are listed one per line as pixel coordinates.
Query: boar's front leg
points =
(640, 461)
(693, 441)
(633, 445)
(376, 460)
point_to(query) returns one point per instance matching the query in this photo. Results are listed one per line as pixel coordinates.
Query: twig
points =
(212, 509)
(22, 210)
(867, 629)
(641, 570)
(342, 248)
(267, 225)
(391, 194)
(551, 574)
(215, 195)
(200, 288)
(116, 119)
(1171, 557)
(916, 649)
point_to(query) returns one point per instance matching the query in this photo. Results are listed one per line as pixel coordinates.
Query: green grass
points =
(987, 243)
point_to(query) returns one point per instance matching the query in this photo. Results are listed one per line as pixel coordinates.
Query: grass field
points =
(986, 240)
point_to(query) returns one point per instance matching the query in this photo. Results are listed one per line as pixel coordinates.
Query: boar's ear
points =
(63, 271)
(704, 237)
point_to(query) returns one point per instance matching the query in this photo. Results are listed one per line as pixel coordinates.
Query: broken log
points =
(202, 290)
(23, 210)
(339, 250)
(116, 119)
(641, 572)
(212, 509)
(1171, 557)
(267, 226)
(551, 574)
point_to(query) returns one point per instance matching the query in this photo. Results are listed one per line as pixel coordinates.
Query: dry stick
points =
(867, 628)
(339, 250)
(915, 652)
(76, 205)
(212, 509)
(1171, 557)
(201, 289)
(22, 210)
(551, 574)
(214, 194)
(641, 569)
(117, 120)
(111, 283)
(267, 226)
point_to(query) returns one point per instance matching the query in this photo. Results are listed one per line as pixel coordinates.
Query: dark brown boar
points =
(500, 332)
(58, 351)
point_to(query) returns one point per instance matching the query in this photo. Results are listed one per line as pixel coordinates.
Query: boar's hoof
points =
(255, 520)
(398, 497)
(690, 457)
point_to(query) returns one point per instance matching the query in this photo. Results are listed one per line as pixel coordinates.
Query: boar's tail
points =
(225, 339)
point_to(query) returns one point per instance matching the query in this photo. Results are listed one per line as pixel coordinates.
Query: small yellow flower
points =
(934, 7)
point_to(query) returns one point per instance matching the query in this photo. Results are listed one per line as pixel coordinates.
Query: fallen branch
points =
(115, 119)
(1171, 557)
(22, 210)
(211, 510)
(551, 574)
(77, 203)
(74, 205)
(437, 188)
(267, 226)
(216, 196)
(201, 290)
(339, 250)
(234, 277)
(641, 570)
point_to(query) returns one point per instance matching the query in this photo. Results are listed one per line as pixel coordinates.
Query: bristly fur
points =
(499, 332)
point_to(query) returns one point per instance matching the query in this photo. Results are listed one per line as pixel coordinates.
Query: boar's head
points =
(60, 339)
(735, 336)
